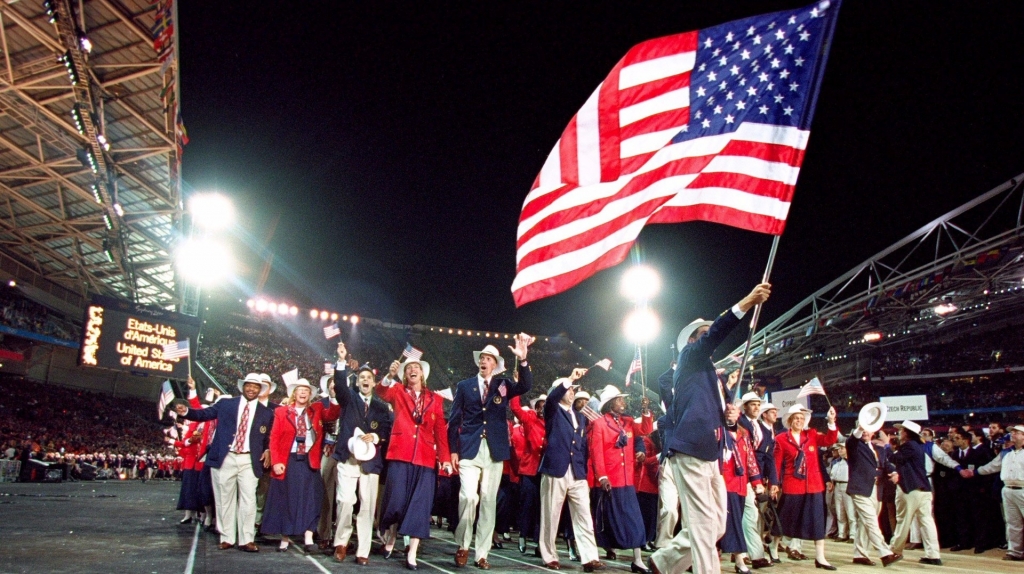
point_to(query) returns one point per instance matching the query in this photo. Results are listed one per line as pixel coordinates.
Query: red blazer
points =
(786, 450)
(608, 460)
(533, 434)
(422, 444)
(188, 447)
(647, 471)
(744, 454)
(282, 434)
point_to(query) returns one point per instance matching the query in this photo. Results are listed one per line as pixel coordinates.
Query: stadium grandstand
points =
(937, 313)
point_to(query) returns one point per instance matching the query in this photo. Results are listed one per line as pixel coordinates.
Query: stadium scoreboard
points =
(129, 337)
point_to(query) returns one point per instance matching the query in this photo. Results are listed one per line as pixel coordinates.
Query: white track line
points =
(434, 566)
(192, 553)
(317, 564)
(530, 564)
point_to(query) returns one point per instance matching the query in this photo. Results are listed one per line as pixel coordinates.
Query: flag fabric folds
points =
(331, 331)
(708, 125)
(605, 364)
(176, 350)
(813, 387)
(166, 396)
(412, 353)
(634, 367)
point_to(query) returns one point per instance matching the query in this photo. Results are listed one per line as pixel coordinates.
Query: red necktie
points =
(242, 428)
(300, 429)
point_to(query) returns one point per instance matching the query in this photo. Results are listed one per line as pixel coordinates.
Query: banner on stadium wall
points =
(907, 407)
(785, 399)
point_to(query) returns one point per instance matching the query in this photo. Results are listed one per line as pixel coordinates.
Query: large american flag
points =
(708, 125)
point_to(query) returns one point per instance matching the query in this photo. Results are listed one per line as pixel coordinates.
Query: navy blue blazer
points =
(865, 469)
(469, 418)
(909, 463)
(378, 419)
(226, 413)
(696, 404)
(765, 452)
(565, 445)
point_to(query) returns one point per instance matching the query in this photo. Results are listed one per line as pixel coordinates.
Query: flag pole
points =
(757, 315)
(187, 339)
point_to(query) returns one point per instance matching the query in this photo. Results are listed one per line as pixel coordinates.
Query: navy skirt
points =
(803, 516)
(293, 504)
(506, 505)
(733, 540)
(529, 507)
(206, 487)
(617, 521)
(188, 496)
(649, 512)
(408, 496)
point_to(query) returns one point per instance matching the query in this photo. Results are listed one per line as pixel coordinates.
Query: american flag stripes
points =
(331, 331)
(166, 396)
(176, 350)
(813, 387)
(634, 367)
(412, 353)
(604, 364)
(708, 125)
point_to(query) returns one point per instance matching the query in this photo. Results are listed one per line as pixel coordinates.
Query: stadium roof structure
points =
(962, 271)
(89, 150)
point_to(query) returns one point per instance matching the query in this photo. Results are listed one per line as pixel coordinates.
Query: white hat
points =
(765, 407)
(266, 379)
(1015, 428)
(910, 426)
(583, 395)
(610, 392)
(792, 410)
(872, 416)
(684, 336)
(423, 365)
(302, 383)
(535, 400)
(323, 385)
(253, 378)
(492, 351)
(360, 449)
(750, 397)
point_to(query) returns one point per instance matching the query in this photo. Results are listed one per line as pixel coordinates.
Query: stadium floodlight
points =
(354, 319)
(323, 315)
(204, 262)
(640, 283)
(872, 336)
(334, 316)
(211, 211)
(250, 303)
(313, 313)
(282, 308)
(261, 305)
(641, 326)
(293, 310)
(945, 309)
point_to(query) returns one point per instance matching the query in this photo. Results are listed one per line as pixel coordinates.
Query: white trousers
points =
(553, 493)
(234, 486)
(703, 497)
(865, 515)
(916, 505)
(480, 478)
(752, 526)
(1013, 508)
(353, 485)
(845, 523)
(668, 507)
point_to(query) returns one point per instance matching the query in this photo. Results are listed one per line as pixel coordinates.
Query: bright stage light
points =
(282, 308)
(334, 316)
(261, 305)
(312, 313)
(640, 283)
(211, 211)
(204, 262)
(250, 303)
(945, 309)
(293, 310)
(641, 326)
(323, 315)
(354, 319)
(872, 337)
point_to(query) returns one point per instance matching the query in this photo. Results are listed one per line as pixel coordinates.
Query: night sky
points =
(396, 142)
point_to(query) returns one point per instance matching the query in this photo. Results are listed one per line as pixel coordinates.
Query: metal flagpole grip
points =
(757, 314)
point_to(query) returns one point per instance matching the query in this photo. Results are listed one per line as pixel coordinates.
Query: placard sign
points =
(906, 407)
(785, 399)
(128, 337)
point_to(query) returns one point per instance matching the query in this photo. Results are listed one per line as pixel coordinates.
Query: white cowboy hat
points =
(360, 449)
(266, 379)
(583, 395)
(535, 400)
(684, 336)
(323, 385)
(765, 407)
(750, 397)
(492, 351)
(423, 365)
(910, 426)
(872, 416)
(792, 410)
(302, 383)
(1015, 428)
(255, 379)
(607, 394)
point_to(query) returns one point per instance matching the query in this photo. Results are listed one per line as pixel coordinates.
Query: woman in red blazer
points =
(295, 496)
(419, 439)
(802, 508)
(529, 447)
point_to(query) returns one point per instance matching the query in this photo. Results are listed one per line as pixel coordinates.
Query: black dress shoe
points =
(498, 545)
(638, 569)
(958, 548)
(931, 561)
(387, 553)
(824, 566)
(980, 549)
(522, 546)
(410, 566)
(186, 520)
(740, 570)
(309, 548)
(610, 554)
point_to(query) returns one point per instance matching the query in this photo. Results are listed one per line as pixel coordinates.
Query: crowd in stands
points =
(995, 349)
(20, 313)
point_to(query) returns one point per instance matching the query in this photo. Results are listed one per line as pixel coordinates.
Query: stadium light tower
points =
(640, 283)
(211, 211)
(204, 262)
(641, 326)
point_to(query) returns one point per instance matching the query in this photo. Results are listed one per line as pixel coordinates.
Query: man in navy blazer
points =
(563, 470)
(479, 441)
(764, 451)
(358, 480)
(236, 459)
(696, 406)
(868, 464)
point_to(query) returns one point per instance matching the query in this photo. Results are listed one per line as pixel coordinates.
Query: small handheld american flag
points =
(813, 387)
(604, 364)
(331, 331)
(412, 353)
(634, 367)
(176, 350)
